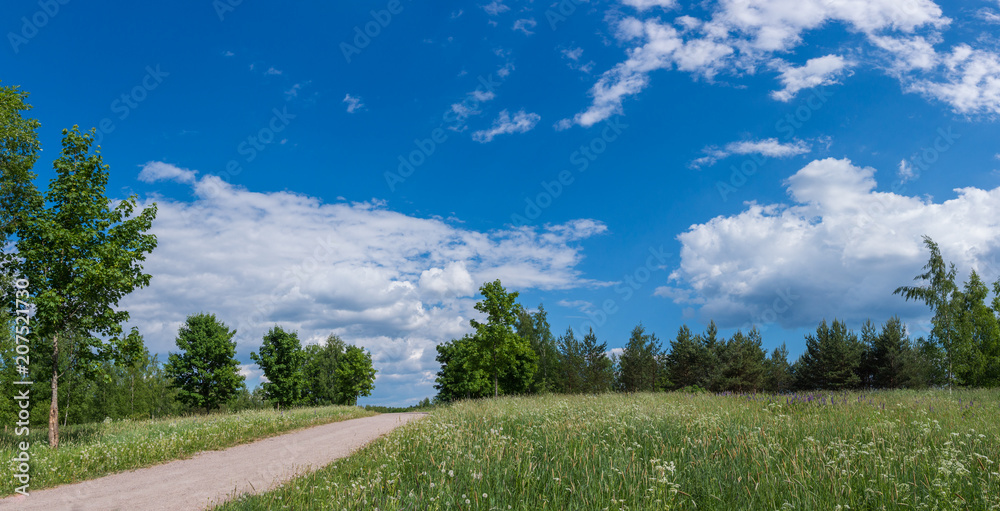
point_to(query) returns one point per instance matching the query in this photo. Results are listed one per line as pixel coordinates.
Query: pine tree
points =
(598, 376)
(571, 363)
(638, 369)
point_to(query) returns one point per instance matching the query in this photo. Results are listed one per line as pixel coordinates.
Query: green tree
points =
(319, 370)
(355, 376)
(744, 363)
(205, 372)
(18, 153)
(710, 364)
(885, 353)
(536, 330)
(281, 359)
(938, 293)
(571, 363)
(977, 327)
(638, 370)
(832, 359)
(497, 341)
(81, 258)
(779, 371)
(598, 375)
(461, 376)
(683, 364)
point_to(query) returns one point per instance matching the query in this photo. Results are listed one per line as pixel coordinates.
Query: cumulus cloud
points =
(819, 71)
(396, 284)
(769, 147)
(522, 122)
(838, 250)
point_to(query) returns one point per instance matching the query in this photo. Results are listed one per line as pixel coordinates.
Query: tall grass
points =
(884, 450)
(88, 451)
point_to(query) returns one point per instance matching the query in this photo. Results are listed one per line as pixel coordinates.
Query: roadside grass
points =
(878, 450)
(89, 451)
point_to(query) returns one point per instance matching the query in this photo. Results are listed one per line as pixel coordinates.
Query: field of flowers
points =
(881, 450)
(90, 451)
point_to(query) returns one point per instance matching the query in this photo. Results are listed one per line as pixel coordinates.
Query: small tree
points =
(81, 258)
(206, 371)
(496, 337)
(355, 376)
(281, 358)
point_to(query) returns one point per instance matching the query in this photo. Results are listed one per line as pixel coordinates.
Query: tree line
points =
(515, 352)
(78, 254)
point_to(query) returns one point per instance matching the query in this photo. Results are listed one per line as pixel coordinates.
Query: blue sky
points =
(361, 168)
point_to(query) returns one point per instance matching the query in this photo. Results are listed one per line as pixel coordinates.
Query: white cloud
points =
(839, 250)
(495, 7)
(353, 103)
(664, 48)
(157, 171)
(818, 71)
(988, 15)
(643, 5)
(522, 122)
(906, 171)
(393, 283)
(580, 305)
(272, 71)
(525, 25)
(908, 53)
(228, 53)
(293, 91)
(573, 54)
(769, 147)
(971, 81)
(740, 36)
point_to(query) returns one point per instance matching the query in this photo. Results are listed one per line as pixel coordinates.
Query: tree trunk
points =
(54, 408)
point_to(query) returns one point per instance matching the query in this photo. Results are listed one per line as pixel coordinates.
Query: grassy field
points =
(89, 451)
(882, 450)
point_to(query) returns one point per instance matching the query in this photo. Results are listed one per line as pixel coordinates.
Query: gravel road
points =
(212, 477)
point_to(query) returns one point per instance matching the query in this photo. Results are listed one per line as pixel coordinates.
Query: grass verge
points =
(880, 450)
(89, 451)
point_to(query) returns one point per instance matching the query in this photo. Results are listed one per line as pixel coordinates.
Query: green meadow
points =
(879, 450)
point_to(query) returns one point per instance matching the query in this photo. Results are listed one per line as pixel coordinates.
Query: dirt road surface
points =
(212, 477)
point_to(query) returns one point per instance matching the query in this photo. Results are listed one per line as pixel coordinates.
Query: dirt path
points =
(211, 477)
